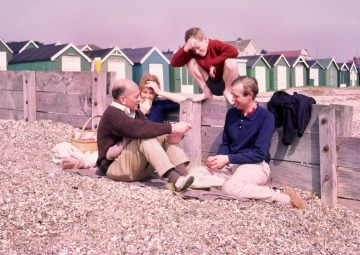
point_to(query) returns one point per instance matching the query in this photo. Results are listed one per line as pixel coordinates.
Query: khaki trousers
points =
(141, 157)
(245, 182)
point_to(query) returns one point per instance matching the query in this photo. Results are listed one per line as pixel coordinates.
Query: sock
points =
(182, 170)
(172, 175)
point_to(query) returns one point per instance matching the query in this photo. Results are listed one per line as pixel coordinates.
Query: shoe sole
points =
(295, 200)
(187, 184)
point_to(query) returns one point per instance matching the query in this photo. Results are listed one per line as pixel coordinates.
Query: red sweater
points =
(115, 124)
(216, 55)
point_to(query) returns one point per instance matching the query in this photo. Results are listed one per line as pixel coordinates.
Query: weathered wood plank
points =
(12, 100)
(344, 117)
(327, 141)
(349, 182)
(29, 98)
(74, 120)
(11, 80)
(348, 152)
(11, 114)
(98, 96)
(189, 112)
(71, 104)
(303, 149)
(64, 82)
(295, 175)
(353, 205)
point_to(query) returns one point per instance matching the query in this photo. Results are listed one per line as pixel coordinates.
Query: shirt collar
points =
(128, 112)
(252, 110)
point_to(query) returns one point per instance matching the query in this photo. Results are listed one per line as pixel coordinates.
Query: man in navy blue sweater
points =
(243, 157)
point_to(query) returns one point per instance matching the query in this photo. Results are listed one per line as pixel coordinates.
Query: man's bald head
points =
(121, 86)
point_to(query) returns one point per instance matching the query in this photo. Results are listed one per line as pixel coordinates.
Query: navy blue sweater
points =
(247, 139)
(160, 108)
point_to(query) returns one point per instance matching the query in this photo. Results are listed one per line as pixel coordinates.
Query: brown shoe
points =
(295, 200)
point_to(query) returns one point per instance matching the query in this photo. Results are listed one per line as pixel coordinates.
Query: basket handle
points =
(87, 122)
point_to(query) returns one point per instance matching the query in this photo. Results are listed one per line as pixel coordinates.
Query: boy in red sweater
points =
(210, 62)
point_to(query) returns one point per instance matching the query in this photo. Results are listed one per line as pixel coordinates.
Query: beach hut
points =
(353, 76)
(315, 73)
(299, 71)
(112, 60)
(51, 57)
(259, 68)
(180, 80)
(343, 75)
(5, 54)
(149, 60)
(330, 74)
(279, 72)
(245, 47)
(18, 47)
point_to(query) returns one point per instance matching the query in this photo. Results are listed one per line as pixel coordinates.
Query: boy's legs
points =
(200, 76)
(231, 72)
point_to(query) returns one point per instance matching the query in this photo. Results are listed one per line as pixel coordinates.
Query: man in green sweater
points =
(146, 148)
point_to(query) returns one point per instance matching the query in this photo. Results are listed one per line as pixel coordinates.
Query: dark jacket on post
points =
(293, 112)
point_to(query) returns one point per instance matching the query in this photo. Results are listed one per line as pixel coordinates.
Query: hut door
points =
(281, 76)
(157, 69)
(260, 75)
(118, 67)
(314, 75)
(299, 76)
(71, 64)
(3, 61)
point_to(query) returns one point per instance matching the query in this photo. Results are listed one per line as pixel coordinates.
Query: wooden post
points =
(344, 117)
(191, 112)
(98, 88)
(328, 160)
(29, 96)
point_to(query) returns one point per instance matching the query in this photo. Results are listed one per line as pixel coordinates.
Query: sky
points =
(326, 28)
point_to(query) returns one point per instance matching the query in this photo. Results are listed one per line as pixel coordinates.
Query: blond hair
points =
(146, 78)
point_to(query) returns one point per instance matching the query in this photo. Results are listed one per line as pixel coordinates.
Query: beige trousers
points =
(246, 182)
(141, 157)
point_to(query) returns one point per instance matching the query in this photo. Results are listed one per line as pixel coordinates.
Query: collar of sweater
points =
(128, 112)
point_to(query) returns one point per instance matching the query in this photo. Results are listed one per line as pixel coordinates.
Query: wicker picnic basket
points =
(80, 139)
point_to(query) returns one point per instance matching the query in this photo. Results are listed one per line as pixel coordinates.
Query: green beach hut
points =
(112, 60)
(259, 68)
(279, 72)
(299, 71)
(51, 57)
(330, 73)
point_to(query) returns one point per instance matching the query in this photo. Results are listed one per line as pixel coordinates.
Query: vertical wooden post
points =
(98, 88)
(29, 96)
(191, 112)
(328, 160)
(343, 119)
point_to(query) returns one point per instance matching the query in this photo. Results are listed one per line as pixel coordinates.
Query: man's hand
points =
(180, 127)
(174, 138)
(212, 71)
(216, 162)
(190, 44)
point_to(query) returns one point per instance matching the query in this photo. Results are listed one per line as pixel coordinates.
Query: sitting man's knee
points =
(233, 188)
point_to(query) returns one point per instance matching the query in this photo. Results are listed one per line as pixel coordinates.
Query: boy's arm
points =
(226, 51)
(181, 58)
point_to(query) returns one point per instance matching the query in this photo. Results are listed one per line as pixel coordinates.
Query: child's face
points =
(201, 47)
